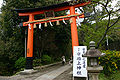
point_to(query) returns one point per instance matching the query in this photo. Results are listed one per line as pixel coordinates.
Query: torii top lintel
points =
(55, 8)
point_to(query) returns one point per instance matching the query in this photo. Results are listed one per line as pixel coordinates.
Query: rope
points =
(29, 26)
(53, 18)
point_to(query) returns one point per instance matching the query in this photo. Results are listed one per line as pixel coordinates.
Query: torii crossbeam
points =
(70, 5)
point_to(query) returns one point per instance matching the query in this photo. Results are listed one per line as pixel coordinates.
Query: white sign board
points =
(79, 62)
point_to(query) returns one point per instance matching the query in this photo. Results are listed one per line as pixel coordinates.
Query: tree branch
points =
(108, 27)
(102, 5)
(98, 44)
(107, 31)
(116, 10)
(114, 22)
(107, 3)
(108, 20)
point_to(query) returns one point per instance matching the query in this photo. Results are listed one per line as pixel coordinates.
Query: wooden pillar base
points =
(29, 63)
(79, 78)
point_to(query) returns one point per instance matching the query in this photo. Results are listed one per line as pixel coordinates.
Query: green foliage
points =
(110, 62)
(114, 37)
(57, 59)
(46, 59)
(115, 76)
(20, 63)
(102, 77)
(88, 33)
(37, 62)
(97, 28)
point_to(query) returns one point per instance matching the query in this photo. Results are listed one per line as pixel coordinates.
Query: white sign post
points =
(79, 62)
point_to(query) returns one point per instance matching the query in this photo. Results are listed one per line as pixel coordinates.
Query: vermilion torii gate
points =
(70, 5)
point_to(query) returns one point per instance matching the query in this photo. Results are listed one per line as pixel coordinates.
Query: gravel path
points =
(67, 75)
(53, 74)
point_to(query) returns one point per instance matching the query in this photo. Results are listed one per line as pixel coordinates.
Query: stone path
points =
(57, 72)
(53, 74)
(67, 75)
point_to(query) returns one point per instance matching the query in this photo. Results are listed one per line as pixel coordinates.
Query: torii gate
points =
(70, 5)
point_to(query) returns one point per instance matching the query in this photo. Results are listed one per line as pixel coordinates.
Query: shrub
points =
(57, 59)
(110, 62)
(20, 63)
(46, 59)
(37, 62)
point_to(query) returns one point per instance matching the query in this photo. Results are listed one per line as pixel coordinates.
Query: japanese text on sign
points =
(79, 62)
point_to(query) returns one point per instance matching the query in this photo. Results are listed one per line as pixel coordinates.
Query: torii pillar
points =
(29, 57)
(74, 33)
(74, 36)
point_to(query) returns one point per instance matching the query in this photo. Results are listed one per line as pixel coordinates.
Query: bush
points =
(57, 59)
(46, 59)
(37, 62)
(20, 63)
(110, 62)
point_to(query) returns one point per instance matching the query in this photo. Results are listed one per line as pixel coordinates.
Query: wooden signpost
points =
(79, 63)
